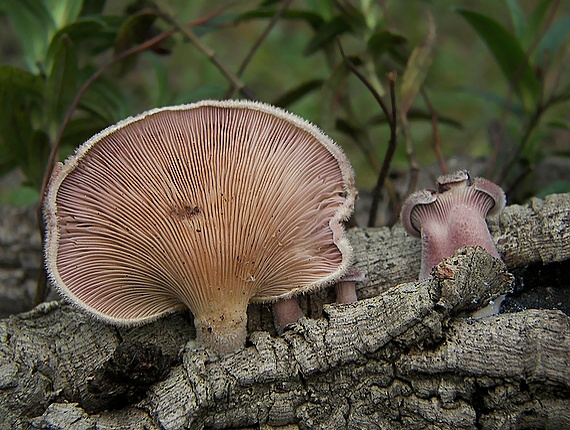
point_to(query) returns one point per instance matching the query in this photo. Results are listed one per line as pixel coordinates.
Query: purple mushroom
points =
(452, 217)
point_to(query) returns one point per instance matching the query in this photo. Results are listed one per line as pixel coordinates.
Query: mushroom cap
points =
(494, 191)
(208, 206)
(412, 225)
(461, 178)
(452, 189)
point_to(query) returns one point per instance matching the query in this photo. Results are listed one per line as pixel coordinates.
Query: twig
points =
(435, 133)
(414, 168)
(367, 84)
(392, 121)
(234, 80)
(274, 19)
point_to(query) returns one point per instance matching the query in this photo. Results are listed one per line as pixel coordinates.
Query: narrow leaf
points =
(417, 68)
(14, 79)
(509, 56)
(33, 25)
(314, 20)
(63, 12)
(555, 36)
(326, 34)
(382, 41)
(535, 20)
(559, 123)
(298, 92)
(61, 84)
(517, 18)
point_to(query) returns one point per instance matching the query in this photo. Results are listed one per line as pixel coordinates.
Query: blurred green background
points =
(494, 74)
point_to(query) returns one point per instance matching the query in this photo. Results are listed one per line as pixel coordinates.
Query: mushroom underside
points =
(207, 206)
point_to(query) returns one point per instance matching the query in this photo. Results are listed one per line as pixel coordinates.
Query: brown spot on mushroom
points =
(185, 211)
(127, 242)
(452, 217)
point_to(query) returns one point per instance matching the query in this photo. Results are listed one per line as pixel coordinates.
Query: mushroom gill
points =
(207, 206)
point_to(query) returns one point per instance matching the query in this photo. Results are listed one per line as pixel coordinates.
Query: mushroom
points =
(207, 206)
(452, 217)
(288, 311)
(346, 286)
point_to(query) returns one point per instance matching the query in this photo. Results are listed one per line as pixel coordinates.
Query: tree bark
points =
(406, 355)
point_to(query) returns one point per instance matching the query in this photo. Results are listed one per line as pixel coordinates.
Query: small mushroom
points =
(452, 217)
(288, 311)
(207, 206)
(346, 286)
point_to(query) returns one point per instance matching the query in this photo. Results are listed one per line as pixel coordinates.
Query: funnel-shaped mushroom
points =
(209, 206)
(452, 217)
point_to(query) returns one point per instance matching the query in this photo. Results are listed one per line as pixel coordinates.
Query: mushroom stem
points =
(346, 286)
(224, 332)
(346, 292)
(285, 312)
(464, 226)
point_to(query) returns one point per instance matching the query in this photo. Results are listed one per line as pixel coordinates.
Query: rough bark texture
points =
(404, 356)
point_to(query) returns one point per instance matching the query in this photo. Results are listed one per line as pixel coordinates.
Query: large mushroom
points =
(452, 217)
(207, 206)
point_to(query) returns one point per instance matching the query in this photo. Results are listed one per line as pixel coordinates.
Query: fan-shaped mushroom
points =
(452, 217)
(209, 205)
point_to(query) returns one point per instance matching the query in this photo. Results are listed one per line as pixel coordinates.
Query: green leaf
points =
(517, 18)
(33, 25)
(314, 20)
(326, 34)
(92, 7)
(158, 90)
(79, 33)
(103, 99)
(560, 123)
(512, 105)
(417, 68)
(79, 130)
(63, 12)
(22, 195)
(555, 36)
(509, 56)
(206, 91)
(382, 41)
(37, 152)
(61, 85)
(84, 29)
(535, 21)
(135, 29)
(420, 115)
(16, 80)
(298, 92)
(20, 100)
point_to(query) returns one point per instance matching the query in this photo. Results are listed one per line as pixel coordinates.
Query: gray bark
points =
(406, 355)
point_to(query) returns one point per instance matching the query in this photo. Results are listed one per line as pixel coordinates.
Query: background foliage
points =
(481, 79)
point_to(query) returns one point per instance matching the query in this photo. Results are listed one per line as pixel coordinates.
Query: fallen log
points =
(406, 355)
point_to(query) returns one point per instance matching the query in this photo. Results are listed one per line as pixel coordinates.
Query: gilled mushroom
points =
(346, 286)
(207, 206)
(288, 311)
(452, 217)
